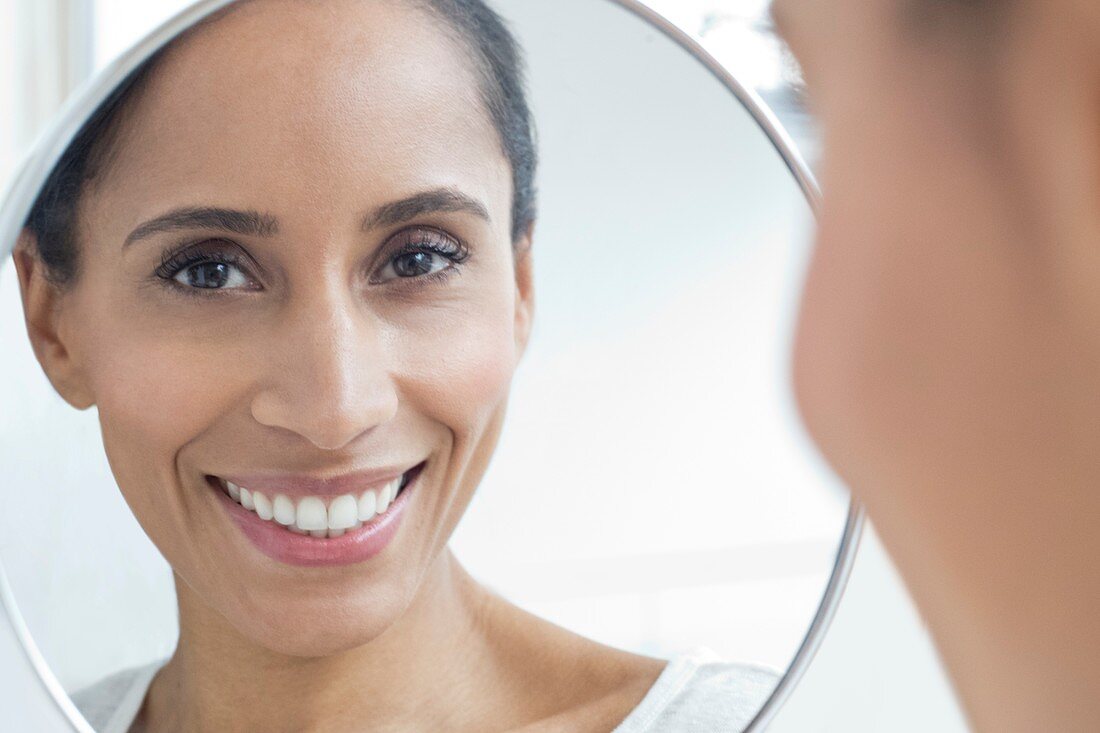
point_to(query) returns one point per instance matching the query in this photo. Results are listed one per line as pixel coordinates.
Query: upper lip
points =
(297, 484)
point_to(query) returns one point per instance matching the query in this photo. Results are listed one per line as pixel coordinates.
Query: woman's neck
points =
(433, 669)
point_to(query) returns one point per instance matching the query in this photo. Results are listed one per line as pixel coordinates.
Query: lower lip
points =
(279, 543)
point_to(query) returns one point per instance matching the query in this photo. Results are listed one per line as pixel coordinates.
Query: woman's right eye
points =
(210, 276)
(198, 270)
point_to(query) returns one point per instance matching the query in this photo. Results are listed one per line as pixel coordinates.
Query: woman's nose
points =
(327, 377)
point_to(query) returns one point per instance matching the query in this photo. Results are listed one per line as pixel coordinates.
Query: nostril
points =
(331, 407)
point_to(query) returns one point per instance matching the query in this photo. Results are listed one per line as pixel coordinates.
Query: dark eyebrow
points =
(264, 225)
(437, 200)
(207, 217)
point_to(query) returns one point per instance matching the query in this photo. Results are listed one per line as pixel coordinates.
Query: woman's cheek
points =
(154, 396)
(162, 390)
(457, 373)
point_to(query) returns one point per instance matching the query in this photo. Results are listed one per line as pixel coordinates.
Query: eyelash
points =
(421, 239)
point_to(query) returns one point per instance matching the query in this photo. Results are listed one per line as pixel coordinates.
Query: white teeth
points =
(283, 509)
(342, 512)
(368, 504)
(263, 505)
(310, 516)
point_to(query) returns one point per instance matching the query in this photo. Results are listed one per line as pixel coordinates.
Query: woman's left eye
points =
(424, 253)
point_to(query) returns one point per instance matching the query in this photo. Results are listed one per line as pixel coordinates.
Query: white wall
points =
(877, 670)
(8, 76)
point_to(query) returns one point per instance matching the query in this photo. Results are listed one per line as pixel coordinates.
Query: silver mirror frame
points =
(51, 143)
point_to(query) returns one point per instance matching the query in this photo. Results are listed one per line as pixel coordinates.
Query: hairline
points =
(106, 149)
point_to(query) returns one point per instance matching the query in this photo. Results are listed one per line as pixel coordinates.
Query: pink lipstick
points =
(356, 545)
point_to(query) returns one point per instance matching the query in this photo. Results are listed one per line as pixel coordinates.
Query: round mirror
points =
(334, 357)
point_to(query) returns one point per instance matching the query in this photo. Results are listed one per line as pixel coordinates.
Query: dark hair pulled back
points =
(501, 75)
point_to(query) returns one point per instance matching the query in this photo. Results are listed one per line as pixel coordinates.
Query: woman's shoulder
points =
(699, 692)
(111, 703)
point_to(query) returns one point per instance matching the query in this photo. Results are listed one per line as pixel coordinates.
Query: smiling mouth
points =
(319, 516)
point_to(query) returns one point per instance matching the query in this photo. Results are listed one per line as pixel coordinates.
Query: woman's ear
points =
(525, 290)
(41, 308)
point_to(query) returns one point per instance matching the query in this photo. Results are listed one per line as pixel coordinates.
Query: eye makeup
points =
(196, 255)
(418, 248)
(425, 241)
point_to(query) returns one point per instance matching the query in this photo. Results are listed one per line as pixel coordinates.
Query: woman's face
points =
(317, 351)
(947, 337)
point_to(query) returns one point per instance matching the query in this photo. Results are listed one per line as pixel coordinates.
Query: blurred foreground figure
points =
(947, 359)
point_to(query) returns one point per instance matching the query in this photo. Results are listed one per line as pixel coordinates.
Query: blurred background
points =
(876, 669)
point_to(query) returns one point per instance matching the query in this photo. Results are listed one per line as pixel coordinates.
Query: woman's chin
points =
(296, 636)
(306, 624)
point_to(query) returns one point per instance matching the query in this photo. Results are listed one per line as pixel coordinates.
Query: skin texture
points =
(947, 354)
(315, 358)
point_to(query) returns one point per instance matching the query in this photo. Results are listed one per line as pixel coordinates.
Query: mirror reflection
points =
(433, 349)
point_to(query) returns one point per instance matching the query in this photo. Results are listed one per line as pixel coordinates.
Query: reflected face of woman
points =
(353, 302)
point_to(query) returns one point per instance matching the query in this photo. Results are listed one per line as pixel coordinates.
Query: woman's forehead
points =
(306, 98)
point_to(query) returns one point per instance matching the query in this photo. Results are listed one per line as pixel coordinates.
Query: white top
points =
(696, 692)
